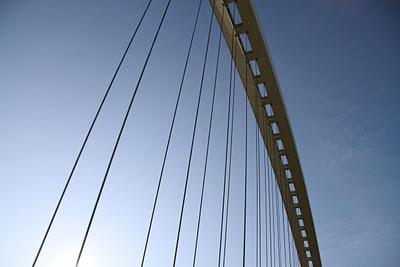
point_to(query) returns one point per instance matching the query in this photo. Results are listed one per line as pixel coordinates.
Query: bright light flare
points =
(68, 259)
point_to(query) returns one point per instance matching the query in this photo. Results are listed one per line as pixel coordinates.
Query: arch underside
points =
(274, 126)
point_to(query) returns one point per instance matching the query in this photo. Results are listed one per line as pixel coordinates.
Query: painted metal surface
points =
(285, 160)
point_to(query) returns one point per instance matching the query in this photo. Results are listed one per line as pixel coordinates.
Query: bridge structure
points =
(285, 230)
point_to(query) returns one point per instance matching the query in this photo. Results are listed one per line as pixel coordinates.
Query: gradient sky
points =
(338, 65)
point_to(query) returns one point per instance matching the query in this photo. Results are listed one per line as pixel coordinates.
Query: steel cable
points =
(207, 147)
(193, 137)
(245, 172)
(170, 133)
(120, 134)
(231, 84)
(88, 134)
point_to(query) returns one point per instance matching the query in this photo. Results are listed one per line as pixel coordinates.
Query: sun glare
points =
(68, 259)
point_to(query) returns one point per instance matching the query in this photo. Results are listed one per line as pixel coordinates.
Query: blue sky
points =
(338, 67)
(337, 64)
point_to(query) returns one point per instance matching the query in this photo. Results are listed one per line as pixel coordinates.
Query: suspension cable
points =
(170, 133)
(245, 175)
(286, 192)
(193, 136)
(88, 134)
(268, 233)
(256, 195)
(259, 198)
(282, 206)
(120, 134)
(286, 218)
(273, 207)
(208, 147)
(268, 208)
(232, 70)
(226, 158)
(279, 219)
(257, 182)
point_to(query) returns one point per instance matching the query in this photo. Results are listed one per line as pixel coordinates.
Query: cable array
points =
(273, 240)
(78, 157)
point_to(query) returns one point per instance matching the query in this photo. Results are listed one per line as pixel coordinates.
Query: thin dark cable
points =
(273, 205)
(276, 200)
(288, 229)
(88, 134)
(208, 147)
(170, 133)
(283, 194)
(226, 162)
(120, 134)
(263, 162)
(282, 215)
(245, 175)
(267, 212)
(232, 70)
(271, 215)
(258, 178)
(285, 233)
(286, 190)
(262, 178)
(193, 136)
(257, 199)
(278, 205)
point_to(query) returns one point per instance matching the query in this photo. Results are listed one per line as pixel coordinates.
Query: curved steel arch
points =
(280, 144)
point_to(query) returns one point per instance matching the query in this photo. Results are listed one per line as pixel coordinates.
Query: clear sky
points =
(338, 65)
